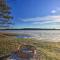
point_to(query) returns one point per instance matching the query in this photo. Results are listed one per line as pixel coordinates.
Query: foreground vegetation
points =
(8, 44)
(46, 50)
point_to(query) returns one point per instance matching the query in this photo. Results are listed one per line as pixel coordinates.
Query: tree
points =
(5, 18)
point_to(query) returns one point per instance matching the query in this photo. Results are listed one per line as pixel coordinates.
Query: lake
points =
(45, 35)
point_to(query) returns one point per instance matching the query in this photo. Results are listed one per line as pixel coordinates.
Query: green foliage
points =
(4, 14)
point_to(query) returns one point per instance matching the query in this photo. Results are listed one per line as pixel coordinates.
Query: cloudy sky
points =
(35, 13)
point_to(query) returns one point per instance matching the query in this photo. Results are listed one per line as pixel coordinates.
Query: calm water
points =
(46, 35)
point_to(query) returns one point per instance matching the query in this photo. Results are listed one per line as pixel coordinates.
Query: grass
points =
(7, 45)
(46, 50)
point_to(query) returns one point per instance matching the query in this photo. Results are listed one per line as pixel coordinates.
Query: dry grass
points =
(7, 44)
(46, 50)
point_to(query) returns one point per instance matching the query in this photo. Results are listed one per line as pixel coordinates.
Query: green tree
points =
(5, 11)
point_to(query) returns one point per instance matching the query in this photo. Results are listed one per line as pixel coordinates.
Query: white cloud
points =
(53, 11)
(43, 20)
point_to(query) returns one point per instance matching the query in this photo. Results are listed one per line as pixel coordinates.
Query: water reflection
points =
(26, 52)
(15, 56)
(24, 36)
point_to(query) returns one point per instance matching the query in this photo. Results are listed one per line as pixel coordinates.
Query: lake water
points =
(46, 35)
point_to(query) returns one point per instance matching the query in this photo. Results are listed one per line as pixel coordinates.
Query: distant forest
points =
(30, 29)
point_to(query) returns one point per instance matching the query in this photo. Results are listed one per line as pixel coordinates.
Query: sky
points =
(35, 13)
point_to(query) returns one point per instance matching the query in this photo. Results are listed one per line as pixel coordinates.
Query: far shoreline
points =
(31, 29)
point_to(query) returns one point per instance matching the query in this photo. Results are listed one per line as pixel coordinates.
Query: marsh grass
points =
(45, 50)
(7, 45)
(48, 50)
